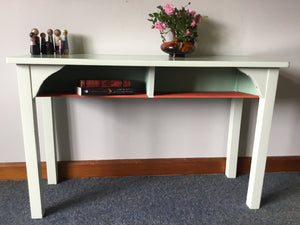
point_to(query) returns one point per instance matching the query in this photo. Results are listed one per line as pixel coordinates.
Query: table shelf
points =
(207, 94)
(140, 95)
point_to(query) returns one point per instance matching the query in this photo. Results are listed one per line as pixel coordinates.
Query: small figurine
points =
(35, 42)
(65, 45)
(57, 40)
(49, 44)
(60, 47)
(43, 44)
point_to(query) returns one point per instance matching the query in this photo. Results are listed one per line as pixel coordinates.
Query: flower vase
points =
(177, 48)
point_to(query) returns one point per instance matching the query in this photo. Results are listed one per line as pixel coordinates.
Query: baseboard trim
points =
(147, 167)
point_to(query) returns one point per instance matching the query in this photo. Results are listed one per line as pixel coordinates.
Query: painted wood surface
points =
(233, 137)
(31, 141)
(261, 139)
(148, 60)
(49, 137)
(211, 94)
(216, 77)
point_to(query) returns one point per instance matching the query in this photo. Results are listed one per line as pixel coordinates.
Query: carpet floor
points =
(190, 199)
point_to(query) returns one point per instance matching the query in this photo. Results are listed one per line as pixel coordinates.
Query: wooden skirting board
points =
(147, 167)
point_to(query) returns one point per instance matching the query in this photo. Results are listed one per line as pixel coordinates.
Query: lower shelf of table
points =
(223, 94)
(210, 94)
(92, 96)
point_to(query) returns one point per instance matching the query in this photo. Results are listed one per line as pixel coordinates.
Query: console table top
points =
(147, 60)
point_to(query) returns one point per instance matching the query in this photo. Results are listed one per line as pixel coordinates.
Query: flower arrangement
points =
(181, 22)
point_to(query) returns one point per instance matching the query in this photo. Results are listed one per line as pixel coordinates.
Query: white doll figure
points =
(57, 41)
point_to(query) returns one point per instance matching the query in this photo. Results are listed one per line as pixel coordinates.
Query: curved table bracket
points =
(39, 73)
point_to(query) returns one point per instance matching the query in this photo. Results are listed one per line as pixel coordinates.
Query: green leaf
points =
(180, 45)
(160, 7)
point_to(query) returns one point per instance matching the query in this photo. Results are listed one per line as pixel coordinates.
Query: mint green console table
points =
(154, 77)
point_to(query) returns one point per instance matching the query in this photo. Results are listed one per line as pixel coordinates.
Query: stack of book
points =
(105, 87)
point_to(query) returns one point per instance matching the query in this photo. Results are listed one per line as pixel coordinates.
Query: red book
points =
(104, 83)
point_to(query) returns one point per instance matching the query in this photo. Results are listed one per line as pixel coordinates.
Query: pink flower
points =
(193, 23)
(198, 18)
(188, 32)
(192, 12)
(160, 26)
(169, 9)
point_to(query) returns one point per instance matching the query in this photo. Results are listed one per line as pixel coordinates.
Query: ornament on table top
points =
(35, 42)
(43, 44)
(57, 41)
(59, 45)
(65, 45)
(49, 44)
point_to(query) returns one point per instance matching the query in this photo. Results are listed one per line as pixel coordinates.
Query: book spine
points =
(105, 91)
(105, 83)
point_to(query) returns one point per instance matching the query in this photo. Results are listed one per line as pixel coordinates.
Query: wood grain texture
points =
(140, 167)
(147, 167)
(17, 171)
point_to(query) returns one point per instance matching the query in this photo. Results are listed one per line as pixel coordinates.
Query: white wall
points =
(135, 128)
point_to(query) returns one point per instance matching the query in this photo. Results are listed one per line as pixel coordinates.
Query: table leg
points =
(31, 142)
(233, 137)
(261, 140)
(48, 122)
(150, 82)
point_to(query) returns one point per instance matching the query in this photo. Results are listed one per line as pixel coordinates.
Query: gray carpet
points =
(192, 199)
